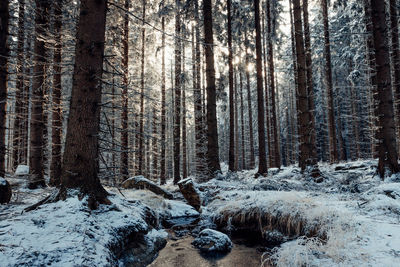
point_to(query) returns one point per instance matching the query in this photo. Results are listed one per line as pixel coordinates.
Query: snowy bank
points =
(67, 233)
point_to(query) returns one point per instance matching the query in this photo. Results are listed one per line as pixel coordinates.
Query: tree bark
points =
(18, 122)
(184, 134)
(140, 134)
(36, 162)
(277, 156)
(394, 13)
(212, 129)
(242, 117)
(333, 150)
(198, 102)
(231, 161)
(372, 77)
(57, 120)
(236, 124)
(27, 99)
(4, 52)
(177, 91)
(294, 102)
(80, 160)
(262, 160)
(309, 80)
(386, 135)
(124, 97)
(305, 116)
(249, 104)
(267, 80)
(163, 179)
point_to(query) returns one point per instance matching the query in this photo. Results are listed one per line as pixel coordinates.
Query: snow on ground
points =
(3, 181)
(164, 208)
(22, 170)
(67, 233)
(359, 213)
(356, 214)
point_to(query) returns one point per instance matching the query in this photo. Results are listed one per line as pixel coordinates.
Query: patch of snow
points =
(22, 170)
(67, 233)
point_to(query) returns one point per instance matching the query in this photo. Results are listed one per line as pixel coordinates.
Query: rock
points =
(139, 182)
(318, 180)
(5, 191)
(274, 238)
(190, 193)
(212, 241)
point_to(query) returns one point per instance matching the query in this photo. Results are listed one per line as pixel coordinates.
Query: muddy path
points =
(181, 253)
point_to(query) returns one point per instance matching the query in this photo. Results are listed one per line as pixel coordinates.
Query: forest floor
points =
(352, 218)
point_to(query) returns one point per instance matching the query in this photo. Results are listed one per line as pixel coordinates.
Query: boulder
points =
(190, 193)
(274, 238)
(5, 191)
(212, 241)
(139, 182)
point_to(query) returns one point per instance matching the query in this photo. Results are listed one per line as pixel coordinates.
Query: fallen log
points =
(139, 182)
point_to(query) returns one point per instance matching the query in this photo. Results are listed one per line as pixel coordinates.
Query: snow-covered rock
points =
(22, 170)
(212, 241)
(5, 191)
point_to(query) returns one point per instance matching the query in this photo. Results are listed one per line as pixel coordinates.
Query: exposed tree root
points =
(291, 226)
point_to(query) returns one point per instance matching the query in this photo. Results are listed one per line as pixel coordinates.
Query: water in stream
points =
(181, 253)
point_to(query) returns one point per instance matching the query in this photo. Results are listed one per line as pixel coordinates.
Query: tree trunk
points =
(4, 51)
(236, 124)
(155, 144)
(124, 97)
(163, 107)
(231, 161)
(354, 117)
(212, 129)
(36, 162)
(394, 13)
(249, 104)
(386, 135)
(81, 150)
(57, 120)
(277, 156)
(372, 74)
(27, 99)
(262, 160)
(184, 134)
(177, 113)
(294, 102)
(140, 134)
(305, 116)
(333, 151)
(309, 80)
(198, 103)
(18, 127)
(242, 116)
(80, 160)
(267, 79)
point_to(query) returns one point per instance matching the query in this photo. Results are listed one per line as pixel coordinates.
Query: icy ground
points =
(356, 217)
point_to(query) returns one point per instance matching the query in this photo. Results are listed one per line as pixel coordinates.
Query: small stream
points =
(181, 253)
